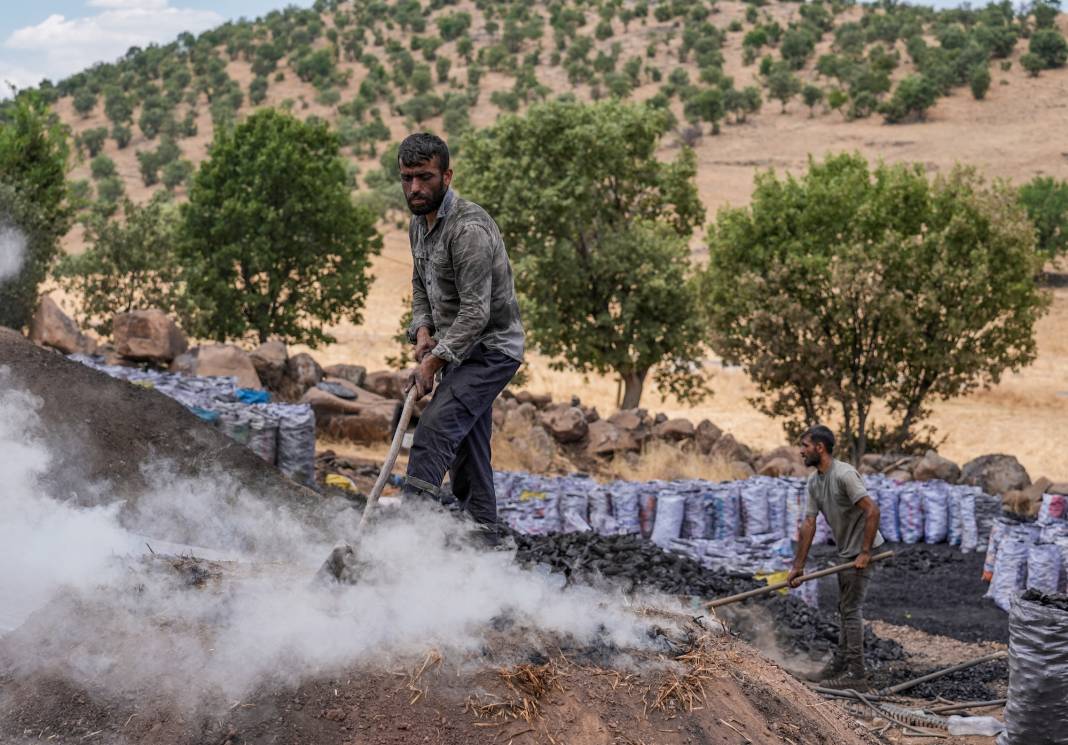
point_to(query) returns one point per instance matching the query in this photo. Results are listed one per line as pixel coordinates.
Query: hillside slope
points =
(353, 57)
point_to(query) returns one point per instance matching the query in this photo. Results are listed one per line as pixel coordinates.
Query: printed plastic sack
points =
(998, 530)
(823, 531)
(263, 436)
(910, 516)
(888, 506)
(1043, 567)
(647, 509)
(969, 536)
(795, 506)
(955, 524)
(1036, 713)
(935, 516)
(1010, 571)
(695, 521)
(296, 441)
(777, 499)
(727, 522)
(1053, 508)
(755, 509)
(670, 509)
(625, 507)
(601, 519)
(573, 512)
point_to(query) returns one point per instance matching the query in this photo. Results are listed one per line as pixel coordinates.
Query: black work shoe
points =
(855, 679)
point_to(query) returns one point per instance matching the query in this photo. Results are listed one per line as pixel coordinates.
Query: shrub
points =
(1049, 45)
(980, 81)
(102, 167)
(912, 98)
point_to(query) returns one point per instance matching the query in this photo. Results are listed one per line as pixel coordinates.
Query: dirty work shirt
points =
(836, 494)
(462, 286)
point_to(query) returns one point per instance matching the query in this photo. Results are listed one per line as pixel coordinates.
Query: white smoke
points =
(125, 622)
(12, 251)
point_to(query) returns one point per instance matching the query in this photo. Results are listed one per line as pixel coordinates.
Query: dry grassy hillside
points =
(1016, 133)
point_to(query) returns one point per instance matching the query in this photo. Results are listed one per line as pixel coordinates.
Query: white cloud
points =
(59, 46)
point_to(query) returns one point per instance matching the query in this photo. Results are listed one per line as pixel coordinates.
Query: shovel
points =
(780, 585)
(342, 564)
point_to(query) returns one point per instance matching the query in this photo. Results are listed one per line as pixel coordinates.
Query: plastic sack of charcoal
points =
(1036, 712)
(726, 522)
(1043, 567)
(969, 524)
(998, 530)
(777, 498)
(1010, 570)
(695, 520)
(1052, 508)
(296, 441)
(601, 519)
(625, 507)
(670, 511)
(536, 508)
(755, 515)
(910, 515)
(795, 505)
(647, 507)
(888, 506)
(234, 423)
(574, 510)
(823, 531)
(955, 526)
(935, 515)
(263, 435)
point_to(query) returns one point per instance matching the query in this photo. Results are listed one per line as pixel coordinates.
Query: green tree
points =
(812, 95)
(93, 140)
(980, 81)
(33, 165)
(453, 25)
(272, 242)
(122, 135)
(102, 167)
(852, 288)
(84, 101)
(129, 264)
(1050, 46)
(597, 228)
(1046, 202)
(1032, 63)
(912, 98)
(706, 106)
(782, 84)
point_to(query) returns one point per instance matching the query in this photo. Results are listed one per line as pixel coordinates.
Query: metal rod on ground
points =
(940, 673)
(780, 585)
(391, 458)
(968, 705)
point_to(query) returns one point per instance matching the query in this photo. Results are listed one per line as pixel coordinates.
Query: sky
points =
(56, 38)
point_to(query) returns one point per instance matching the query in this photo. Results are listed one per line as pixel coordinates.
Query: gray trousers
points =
(852, 587)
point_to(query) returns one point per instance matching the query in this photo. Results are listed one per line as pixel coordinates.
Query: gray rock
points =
(148, 336)
(933, 466)
(51, 327)
(269, 359)
(995, 474)
(565, 424)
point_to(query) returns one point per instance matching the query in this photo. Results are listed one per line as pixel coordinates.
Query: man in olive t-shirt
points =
(837, 490)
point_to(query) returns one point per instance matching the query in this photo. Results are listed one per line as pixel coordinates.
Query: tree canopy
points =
(853, 286)
(597, 228)
(272, 242)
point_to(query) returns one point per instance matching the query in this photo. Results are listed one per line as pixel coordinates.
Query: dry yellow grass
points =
(659, 460)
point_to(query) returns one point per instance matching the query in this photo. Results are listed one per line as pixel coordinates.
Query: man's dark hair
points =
(821, 434)
(423, 147)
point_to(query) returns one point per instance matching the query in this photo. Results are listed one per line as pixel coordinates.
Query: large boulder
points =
(148, 336)
(218, 360)
(782, 453)
(270, 359)
(369, 418)
(729, 449)
(604, 438)
(355, 374)
(303, 371)
(540, 400)
(565, 423)
(995, 474)
(933, 466)
(675, 430)
(1060, 487)
(387, 383)
(51, 327)
(706, 434)
(630, 420)
(777, 467)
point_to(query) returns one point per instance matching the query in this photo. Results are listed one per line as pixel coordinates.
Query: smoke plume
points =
(12, 251)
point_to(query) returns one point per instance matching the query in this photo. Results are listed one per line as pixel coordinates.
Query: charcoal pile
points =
(635, 563)
(971, 684)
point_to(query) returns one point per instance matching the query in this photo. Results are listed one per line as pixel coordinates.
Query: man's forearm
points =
(871, 527)
(808, 532)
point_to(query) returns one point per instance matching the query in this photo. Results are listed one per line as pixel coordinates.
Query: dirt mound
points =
(520, 687)
(107, 430)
